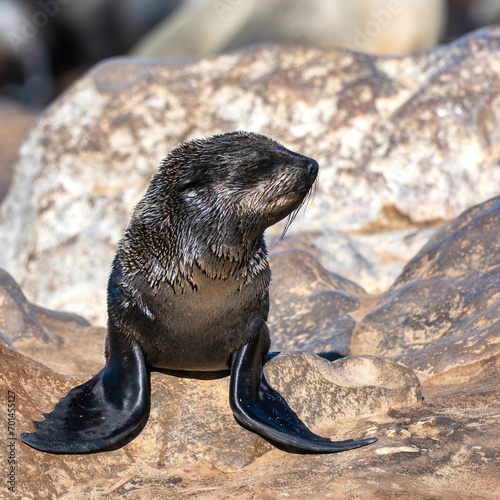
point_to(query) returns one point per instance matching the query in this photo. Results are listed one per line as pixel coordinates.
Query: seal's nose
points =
(313, 167)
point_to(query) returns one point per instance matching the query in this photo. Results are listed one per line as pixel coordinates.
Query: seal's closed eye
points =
(262, 166)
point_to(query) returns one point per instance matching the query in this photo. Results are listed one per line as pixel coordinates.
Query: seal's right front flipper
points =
(101, 412)
(258, 407)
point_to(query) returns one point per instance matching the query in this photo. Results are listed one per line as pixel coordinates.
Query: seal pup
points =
(189, 290)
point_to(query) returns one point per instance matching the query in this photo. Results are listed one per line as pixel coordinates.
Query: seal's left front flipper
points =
(101, 412)
(257, 406)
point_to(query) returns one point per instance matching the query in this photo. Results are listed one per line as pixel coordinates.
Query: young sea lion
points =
(189, 290)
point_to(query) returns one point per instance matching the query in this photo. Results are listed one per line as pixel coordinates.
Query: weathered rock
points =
(310, 306)
(15, 122)
(65, 342)
(191, 445)
(380, 27)
(350, 387)
(190, 422)
(444, 309)
(404, 143)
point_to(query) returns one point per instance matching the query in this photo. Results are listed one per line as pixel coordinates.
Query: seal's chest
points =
(212, 306)
(200, 328)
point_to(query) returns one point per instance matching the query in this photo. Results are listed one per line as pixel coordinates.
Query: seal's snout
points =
(313, 167)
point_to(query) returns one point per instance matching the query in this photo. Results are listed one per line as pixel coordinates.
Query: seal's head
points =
(239, 182)
(213, 198)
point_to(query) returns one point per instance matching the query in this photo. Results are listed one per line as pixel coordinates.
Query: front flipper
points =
(257, 406)
(101, 412)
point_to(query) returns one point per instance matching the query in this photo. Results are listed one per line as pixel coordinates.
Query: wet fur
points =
(196, 236)
(189, 290)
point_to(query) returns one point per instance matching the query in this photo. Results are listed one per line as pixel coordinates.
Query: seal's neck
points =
(163, 252)
(240, 262)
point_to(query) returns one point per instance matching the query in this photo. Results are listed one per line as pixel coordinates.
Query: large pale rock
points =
(404, 143)
(15, 122)
(444, 309)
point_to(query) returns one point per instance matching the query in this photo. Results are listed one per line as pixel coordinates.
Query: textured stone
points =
(190, 423)
(192, 447)
(63, 341)
(15, 122)
(404, 143)
(444, 309)
(442, 447)
(89, 159)
(310, 306)
(350, 387)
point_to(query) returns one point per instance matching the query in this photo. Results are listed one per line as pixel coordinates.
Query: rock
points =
(192, 447)
(404, 143)
(190, 421)
(207, 27)
(350, 387)
(310, 307)
(63, 341)
(443, 310)
(439, 319)
(14, 125)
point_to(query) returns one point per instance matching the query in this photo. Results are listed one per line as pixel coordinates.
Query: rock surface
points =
(442, 446)
(310, 308)
(15, 122)
(42, 333)
(404, 143)
(190, 423)
(444, 309)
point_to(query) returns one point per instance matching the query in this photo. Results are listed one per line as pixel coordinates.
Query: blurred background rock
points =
(45, 45)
